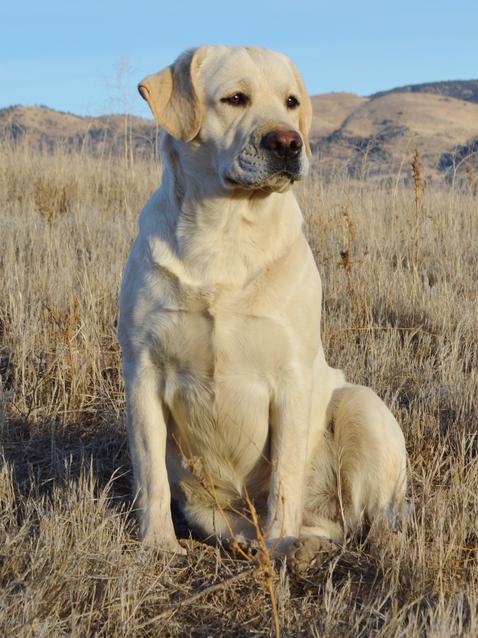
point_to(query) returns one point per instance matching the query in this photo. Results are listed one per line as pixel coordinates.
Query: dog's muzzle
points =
(273, 160)
(284, 149)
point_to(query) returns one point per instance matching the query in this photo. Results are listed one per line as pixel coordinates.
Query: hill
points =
(379, 134)
(461, 89)
(361, 135)
(46, 128)
(331, 109)
(384, 131)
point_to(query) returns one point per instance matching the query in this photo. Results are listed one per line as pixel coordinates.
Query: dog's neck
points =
(220, 237)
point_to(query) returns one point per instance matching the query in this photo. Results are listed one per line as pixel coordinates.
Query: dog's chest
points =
(219, 364)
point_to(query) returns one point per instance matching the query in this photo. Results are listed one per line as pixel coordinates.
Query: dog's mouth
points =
(278, 181)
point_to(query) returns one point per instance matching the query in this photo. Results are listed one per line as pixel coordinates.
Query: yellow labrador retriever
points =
(227, 385)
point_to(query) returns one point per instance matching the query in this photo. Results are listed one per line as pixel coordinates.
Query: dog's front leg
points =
(147, 439)
(289, 429)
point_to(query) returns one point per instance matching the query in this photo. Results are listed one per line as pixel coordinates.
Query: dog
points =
(228, 391)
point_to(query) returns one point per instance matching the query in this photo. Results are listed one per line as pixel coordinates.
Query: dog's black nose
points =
(283, 143)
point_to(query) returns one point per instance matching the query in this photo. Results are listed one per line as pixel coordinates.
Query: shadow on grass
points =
(46, 454)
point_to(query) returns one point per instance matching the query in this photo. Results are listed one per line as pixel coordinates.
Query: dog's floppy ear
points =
(305, 113)
(172, 95)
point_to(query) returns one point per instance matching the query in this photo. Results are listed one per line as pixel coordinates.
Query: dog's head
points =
(242, 113)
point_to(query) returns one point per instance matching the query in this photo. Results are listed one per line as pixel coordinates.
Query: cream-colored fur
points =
(220, 326)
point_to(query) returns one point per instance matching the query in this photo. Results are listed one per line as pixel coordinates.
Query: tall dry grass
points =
(400, 315)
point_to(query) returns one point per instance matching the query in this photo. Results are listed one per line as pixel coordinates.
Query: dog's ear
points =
(305, 113)
(173, 98)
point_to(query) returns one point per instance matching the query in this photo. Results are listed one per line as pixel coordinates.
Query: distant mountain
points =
(373, 135)
(432, 122)
(331, 109)
(381, 133)
(48, 129)
(460, 89)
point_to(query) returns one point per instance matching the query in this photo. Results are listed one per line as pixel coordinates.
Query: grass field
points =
(400, 315)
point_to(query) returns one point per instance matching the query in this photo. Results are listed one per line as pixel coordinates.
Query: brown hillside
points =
(361, 134)
(331, 109)
(42, 121)
(381, 135)
(435, 121)
(47, 128)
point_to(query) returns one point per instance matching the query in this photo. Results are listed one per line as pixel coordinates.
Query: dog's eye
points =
(292, 102)
(237, 99)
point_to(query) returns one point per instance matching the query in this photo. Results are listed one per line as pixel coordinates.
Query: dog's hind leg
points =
(359, 473)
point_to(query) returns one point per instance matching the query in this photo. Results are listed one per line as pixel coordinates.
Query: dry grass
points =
(399, 318)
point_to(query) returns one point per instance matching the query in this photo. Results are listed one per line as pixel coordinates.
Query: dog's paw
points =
(240, 546)
(309, 551)
(164, 544)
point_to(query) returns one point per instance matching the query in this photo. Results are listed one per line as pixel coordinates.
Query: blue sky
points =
(87, 57)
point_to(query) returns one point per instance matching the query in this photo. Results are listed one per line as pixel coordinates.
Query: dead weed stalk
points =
(418, 185)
